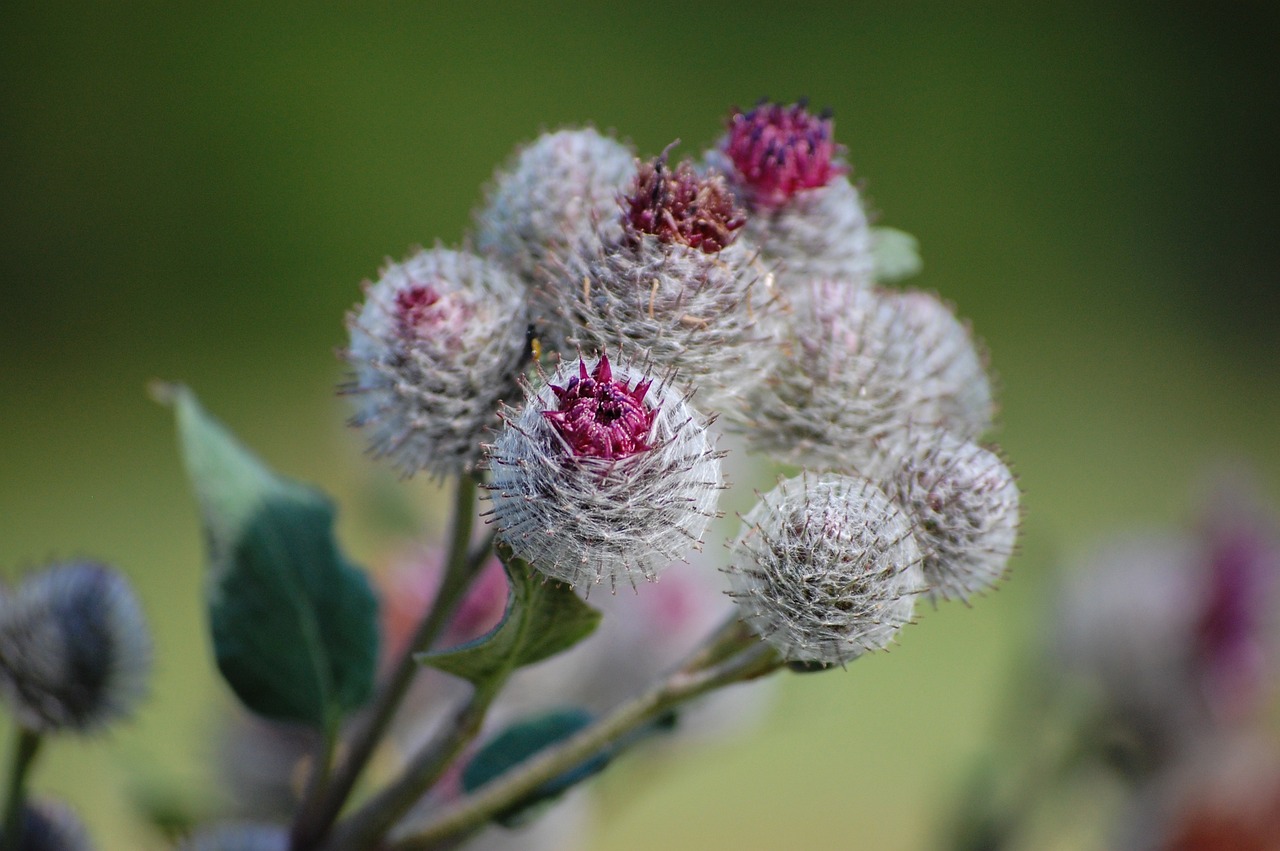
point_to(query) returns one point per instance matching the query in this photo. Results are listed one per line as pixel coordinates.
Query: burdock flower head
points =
(75, 653)
(440, 339)
(605, 475)
(551, 193)
(857, 369)
(785, 164)
(826, 568)
(673, 284)
(964, 502)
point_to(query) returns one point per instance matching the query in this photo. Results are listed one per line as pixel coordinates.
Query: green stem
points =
(472, 813)
(317, 813)
(377, 816)
(25, 749)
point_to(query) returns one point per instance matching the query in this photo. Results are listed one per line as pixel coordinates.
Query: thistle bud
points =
(440, 339)
(859, 367)
(964, 502)
(826, 568)
(238, 837)
(950, 372)
(551, 193)
(784, 163)
(605, 474)
(673, 285)
(74, 649)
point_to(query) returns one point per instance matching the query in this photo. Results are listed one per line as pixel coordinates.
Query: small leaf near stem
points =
(294, 623)
(26, 747)
(542, 619)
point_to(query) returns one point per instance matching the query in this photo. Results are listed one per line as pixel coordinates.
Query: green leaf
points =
(896, 254)
(294, 623)
(521, 741)
(542, 619)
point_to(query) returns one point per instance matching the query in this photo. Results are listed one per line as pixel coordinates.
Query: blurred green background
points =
(196, 192)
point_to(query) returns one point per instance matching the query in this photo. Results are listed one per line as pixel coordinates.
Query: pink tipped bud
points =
(681, 206)
(440, 339)
(604, 475)
(779, 151)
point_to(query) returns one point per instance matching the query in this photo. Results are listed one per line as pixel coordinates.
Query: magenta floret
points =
(602, 418)
(779, 151)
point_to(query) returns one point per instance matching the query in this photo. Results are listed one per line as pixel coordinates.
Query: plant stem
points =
(377, 816)
(26, 747)
(317, 813)
(472, 813)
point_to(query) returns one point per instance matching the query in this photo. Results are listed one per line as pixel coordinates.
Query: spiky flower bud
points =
(951, 372)
(673, 287)
(549, 194)
(826, 568)
(74, 649)
(238, 837)
(778, 152)
(804, 213)
(857, 369)
(439, 341)
(50, 826)
(605, 475)
(680, 206)
(964, 502)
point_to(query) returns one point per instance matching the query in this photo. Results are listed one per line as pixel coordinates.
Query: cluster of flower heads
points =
(617, 309)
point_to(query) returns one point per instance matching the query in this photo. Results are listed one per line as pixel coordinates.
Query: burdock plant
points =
(566, 371)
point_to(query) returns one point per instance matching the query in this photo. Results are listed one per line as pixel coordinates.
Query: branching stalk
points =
(318, 812)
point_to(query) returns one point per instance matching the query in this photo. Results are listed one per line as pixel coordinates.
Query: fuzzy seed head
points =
(826, 568)
(588, 496)
(550, 193)
(676, 307)
(951, 373)
(681, 206)
(780, 151)
(438, 342)
(75, 653)
(853, 375)
(965, 506)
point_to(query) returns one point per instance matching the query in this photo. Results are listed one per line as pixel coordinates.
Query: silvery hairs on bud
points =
(237, 836)
(672, 285)
(855, 370)
(550, 193)
(51, 826)
(75, 653)
(826, 568)
(606, 475)
(440, 339)
(964, 502)
(805, 215)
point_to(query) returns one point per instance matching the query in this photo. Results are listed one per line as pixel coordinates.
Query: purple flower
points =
(682, 207)
(600, 417)
(779, 151)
